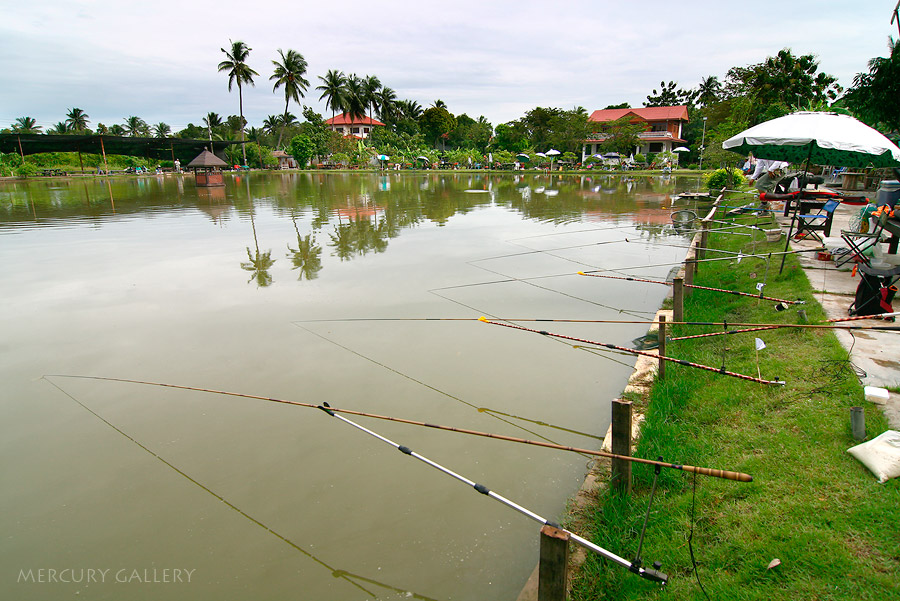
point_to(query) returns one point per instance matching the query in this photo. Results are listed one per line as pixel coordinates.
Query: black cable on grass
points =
(691, 539)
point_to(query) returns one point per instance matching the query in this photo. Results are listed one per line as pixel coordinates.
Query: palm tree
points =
(77, 119)
(439, 104)
(289, 73)
(117, 130)
(709, 90)
(354, 104)
(410, 109)
(333, 87)
(272, 123)
(135, 126)
(238, 71)
(162, 130)
(26, 125)
(386, 103)
(371, 86)
(59, 129)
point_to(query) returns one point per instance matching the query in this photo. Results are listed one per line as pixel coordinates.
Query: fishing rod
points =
(723, 371)
(735, 292)
(751, 256)
(653, 575)
(886, 316)
(827, 326)
(703, 471)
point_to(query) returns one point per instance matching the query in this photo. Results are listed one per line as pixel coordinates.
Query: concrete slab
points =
(875, 355)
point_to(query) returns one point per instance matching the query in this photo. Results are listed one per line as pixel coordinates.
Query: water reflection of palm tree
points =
(259, 264)
(307, 257)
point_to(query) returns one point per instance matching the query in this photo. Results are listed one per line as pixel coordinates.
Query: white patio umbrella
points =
(552, 153)
(817, 137)
(681, 149)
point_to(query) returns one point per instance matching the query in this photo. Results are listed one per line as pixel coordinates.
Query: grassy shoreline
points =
(835, 530)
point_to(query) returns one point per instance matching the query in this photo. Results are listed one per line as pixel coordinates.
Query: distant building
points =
(358, 127)
(285, 161)
(663, 128)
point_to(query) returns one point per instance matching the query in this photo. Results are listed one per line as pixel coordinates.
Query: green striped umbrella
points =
(819, 138)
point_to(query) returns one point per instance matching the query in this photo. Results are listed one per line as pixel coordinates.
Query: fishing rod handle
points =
(716, 473)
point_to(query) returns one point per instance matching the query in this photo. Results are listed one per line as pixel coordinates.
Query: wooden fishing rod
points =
(632, 351)
(825, 326)
(734, 292)
(704, 471)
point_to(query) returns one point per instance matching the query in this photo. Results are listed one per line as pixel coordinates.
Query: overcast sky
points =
(158, 60)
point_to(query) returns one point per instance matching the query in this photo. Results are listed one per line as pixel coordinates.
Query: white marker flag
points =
(760, 345)
(760, 286)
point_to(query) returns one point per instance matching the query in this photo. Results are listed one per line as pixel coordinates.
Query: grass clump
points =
(835, 530)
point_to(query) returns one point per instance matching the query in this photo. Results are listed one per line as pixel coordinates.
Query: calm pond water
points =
(301, 287)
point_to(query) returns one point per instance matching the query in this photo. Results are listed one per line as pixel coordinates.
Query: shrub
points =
(718, 179)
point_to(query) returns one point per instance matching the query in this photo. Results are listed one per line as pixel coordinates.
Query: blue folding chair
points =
(811, 223)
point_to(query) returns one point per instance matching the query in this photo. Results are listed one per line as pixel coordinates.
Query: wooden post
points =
(103, 150)
(678, 299)
(689, 266)
(704, 239)
(552, 577)
(620, 478)
(662, 348)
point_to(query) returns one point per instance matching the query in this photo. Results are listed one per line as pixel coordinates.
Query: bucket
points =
(773, 235)
(888, 193)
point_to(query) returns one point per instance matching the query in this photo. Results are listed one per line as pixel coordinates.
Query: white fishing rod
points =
(650, 574)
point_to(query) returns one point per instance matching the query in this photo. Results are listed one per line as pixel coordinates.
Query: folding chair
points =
(859, 242)
(811, 223)
(876, 291)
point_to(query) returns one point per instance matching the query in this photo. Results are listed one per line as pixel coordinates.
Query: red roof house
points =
(663, 127)
(358, 127)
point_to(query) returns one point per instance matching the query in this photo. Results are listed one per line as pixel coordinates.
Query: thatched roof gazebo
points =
(208, 169)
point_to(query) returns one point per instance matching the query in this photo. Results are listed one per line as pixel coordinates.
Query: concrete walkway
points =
(875, 355)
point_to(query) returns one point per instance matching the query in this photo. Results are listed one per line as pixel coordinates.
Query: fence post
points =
(553, 565)
(662, 348)
(620, 478)
(704, 239)
(678, 299)
(689, 266)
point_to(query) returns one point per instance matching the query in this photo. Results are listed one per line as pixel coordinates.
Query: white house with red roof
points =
(662, 134)
(357, 127)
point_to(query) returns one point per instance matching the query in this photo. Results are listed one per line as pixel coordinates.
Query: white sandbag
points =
(881, 455)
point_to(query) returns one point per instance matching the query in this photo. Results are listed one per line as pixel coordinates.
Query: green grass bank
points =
(812, 506)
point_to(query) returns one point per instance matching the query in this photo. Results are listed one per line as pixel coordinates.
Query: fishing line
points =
(827, 326)
(649, 574)
(691, 538)
(188, 477)
(776, 382)
(716, 473)
(753, 256)
(735, 292)
(420, 382)
(547, 252)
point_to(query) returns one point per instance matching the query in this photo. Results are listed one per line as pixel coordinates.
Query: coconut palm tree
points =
(117, 130)
(77, 119)
(271, 124)
(386, 104)
(135, 126)
(354, 104)
(371, 86)
(26, 125)
(289, 73)
(709, 90)
(410, 109)
(162, 130)
(59, 129)
(439, 104)
(333, 87)
(238, 71)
